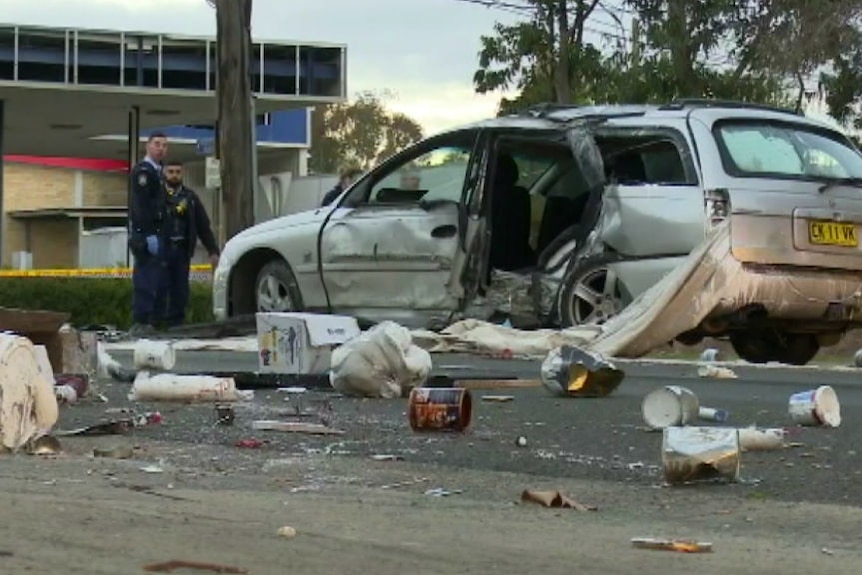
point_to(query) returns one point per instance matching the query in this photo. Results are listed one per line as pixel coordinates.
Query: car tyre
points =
(591, 293)
(762, 346)
(276, 290)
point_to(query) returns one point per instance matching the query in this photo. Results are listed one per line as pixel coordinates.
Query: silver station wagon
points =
(561, 216)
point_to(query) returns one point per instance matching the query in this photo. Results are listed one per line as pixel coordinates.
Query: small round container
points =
(440, 409)
(670, 406)
(815, 407)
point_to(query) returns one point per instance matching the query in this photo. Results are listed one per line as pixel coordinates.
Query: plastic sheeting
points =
(709, 277)
(28, 408)
(382, 362)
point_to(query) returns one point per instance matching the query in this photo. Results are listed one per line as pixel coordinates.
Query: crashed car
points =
(563, 215)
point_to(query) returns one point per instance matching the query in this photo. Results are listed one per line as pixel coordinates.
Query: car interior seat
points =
(510, 218)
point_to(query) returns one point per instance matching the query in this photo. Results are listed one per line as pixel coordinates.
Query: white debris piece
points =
(381, 362)
(28, 408)
(191, 388)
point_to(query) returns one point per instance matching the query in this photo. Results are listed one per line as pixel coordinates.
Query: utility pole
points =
(236, 148)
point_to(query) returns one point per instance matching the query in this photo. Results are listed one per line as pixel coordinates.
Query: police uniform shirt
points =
(179, 205)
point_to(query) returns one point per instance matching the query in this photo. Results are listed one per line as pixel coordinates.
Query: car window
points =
(762, 149)
(437, 174)
(639, 160)
(531, 169)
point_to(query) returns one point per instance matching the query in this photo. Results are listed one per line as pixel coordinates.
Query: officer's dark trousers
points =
(173, 295)
(145, 286)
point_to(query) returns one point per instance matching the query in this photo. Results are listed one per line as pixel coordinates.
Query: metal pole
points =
(134, 151)
(254, 179)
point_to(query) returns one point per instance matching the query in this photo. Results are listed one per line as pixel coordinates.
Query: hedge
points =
(105, 301)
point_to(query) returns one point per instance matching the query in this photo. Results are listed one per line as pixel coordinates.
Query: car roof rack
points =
(545, 111)
(681, 103)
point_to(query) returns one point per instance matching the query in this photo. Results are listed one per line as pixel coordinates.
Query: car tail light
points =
(717, 204)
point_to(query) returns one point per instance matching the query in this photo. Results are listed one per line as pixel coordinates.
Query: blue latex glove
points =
(153, 245)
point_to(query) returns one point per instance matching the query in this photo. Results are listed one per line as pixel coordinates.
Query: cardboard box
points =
(41, 327)
(300, 343)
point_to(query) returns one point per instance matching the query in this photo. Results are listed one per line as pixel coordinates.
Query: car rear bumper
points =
(795, 293)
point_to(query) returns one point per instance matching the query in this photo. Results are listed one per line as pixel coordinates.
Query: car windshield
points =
(766, 149)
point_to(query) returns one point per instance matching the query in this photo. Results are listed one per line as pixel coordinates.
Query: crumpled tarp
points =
(28, 407)
(676, 304)
(381, 362)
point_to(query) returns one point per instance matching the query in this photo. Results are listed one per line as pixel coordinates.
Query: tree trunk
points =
(561, 74)
(233, 94)
(681, 52)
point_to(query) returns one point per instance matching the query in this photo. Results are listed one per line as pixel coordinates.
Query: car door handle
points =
(446, 231)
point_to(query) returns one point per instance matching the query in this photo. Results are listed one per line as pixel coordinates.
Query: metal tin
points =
(224, 414)
(570, 371)
(700, 453)
(440, 409)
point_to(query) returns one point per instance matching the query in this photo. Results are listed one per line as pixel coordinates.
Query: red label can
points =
(440, 408)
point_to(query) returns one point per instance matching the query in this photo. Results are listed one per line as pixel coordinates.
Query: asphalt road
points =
(593, 439)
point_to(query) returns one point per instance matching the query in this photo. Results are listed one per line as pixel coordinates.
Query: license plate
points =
(833, 234)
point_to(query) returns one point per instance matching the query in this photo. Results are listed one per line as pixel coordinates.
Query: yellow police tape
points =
(89, 272)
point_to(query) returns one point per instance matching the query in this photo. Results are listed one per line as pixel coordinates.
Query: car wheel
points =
(591, 293)
(275, 289)
(762, 346)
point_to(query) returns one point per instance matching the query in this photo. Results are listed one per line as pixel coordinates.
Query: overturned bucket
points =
(574, 372)
(440, 408)
(700, 454)
(670, 406)
(815, 407)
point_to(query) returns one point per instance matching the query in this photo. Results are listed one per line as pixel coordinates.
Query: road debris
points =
(186, 388)
(556, 499)
(152, 469)
(173, 565)
(753, 439)
(224, 414)
(300, 343)
(668, 406)
(295, 427)
(716, 372)
(710, 355)
(712, 414)
(69, 387)
(409, 482)
(700, 453)
(440, 492)
(155, 355)
(123, 452)
(382, 362)
(498, 398)
(521, 441)
(249, 443)
(679, 545)
(386, 457)
(816, 407)
(29, 408)
(287, 532)
(440, 409)
(45, 445)
(574, 372)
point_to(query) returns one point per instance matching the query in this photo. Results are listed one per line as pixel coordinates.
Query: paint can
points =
(573, 372)
(440, 408)
(712, 414)
(670, 406)
(700, 454)
(815, 407)
(158, 355)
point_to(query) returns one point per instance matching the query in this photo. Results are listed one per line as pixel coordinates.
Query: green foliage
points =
(361, 133)
(749, 50)
(92, 300)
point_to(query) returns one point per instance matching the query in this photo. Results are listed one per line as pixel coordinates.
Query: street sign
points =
(212, 167)
(205, 146)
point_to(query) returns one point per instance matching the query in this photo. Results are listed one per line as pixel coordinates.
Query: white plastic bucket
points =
(815, 407)
(157, 355)
(670, 406)
(189, 388)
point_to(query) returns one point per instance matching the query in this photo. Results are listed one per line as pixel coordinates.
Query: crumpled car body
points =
(563, 216)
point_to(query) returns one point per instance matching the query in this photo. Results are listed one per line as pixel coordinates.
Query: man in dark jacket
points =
(186, 221)
(146, 215)
(348, 176)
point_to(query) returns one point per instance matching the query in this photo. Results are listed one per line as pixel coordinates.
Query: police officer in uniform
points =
(146, 214)
(186, 221)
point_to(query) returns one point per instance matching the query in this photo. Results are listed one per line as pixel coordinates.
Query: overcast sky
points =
(425, 51)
